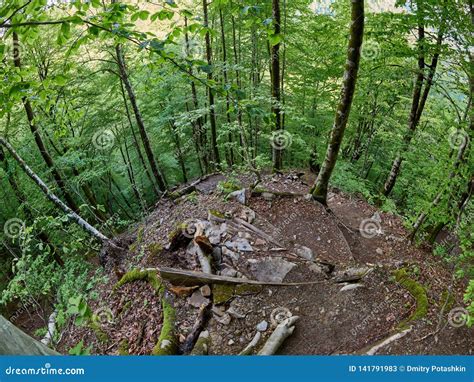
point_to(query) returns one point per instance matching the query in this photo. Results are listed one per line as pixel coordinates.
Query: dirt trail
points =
(352, 250)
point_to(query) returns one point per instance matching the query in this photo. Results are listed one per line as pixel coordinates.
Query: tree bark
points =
(160, 181)
(39, 141)
(52, 197)
(277, 152)
(320, 188)
(212, 111)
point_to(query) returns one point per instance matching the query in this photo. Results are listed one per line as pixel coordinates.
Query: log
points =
(279, 335)
(192, 278)
(199, 324)
(249, 349)
(15, 342)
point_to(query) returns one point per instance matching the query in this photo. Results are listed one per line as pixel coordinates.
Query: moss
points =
(123, 347)
(99, 333)
(202, 346)
(228, 187)
(166, 344)
(154, 249)
(133, 247)
(246, 289)
(136, 275)
(222, 293)
(217, 214)
(418, 293)
(192, 197)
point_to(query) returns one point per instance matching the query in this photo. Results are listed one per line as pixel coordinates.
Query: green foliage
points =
(79, 349)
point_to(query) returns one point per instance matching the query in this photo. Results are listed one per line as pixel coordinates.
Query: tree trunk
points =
(418, 103)
(15, 342)
(212, 111)
(160, 181)
(277, 150)
(52, 197)
(39, 141)
(320, 188)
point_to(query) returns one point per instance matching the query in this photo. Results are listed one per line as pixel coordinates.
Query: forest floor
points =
(370, 283)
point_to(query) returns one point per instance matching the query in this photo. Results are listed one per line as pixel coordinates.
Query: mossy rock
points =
(217, 214)
(134, 246)
(228, 186)
(417, 291)
(224, 292)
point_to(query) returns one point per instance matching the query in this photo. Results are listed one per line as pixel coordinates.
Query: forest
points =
(236, 177)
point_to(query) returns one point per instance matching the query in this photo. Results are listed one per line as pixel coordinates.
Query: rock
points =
(225, 319)
(244, 235)
(379, 251)
(239, 196)
(248, 215)
(351, 274)
(234, 313)
(205, 290)
(304, 252)
(197, 299)
(229, 272)
(316, 268)
(260, 242)
(350, 287)
(270, 269)
(234, 256)
(239, 244)
(268, 196)
(216, 255)
(231, 342)
(218, 310)
(308, 197)
(262, 326)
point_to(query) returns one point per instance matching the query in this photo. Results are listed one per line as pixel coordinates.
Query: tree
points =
(320, 188)
(277, 152)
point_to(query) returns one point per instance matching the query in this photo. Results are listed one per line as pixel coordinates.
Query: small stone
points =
(262, 326)
(229, 272)
(238, 195)
(205, 290)
(244, 235)
(316, 268)
(234, 256)
(308, 197)
(268, 196)
(260, 242)
(248, 215)
(234, 313)
(351, 287)
(243, 245)
(304, 252)
(197, 299)
(379, 251)
(218, 310)
(224, 320)
(231, 342)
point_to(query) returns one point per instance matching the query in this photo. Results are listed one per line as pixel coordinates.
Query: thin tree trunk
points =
(418, 103)
(320, 188)
(39, 141)
(277, 151)
(160, 181)
(212, 111)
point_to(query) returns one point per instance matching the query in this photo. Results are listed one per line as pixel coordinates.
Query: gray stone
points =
(231, 342)
(260, 242)
(248, 215)
(229, 272)
(234, 313)
(351, 287)
(234, 256)
(239, 196)
(304, 252)
(197, 299)
(262, 326)
(218, 310)
(379, 251)
(205, 290)
(268, 196)
(225, 319)
(243, 245)
(270, 269)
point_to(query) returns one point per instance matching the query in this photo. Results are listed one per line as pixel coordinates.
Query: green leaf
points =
(275, 39)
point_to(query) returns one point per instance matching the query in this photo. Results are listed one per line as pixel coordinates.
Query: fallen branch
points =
(258, 231)
(374, 349)
(192, 278)
(250, 348)
(279, 335)
(192, 337)
(51, 329)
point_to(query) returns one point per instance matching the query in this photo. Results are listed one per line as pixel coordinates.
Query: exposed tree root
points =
(279, 335)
